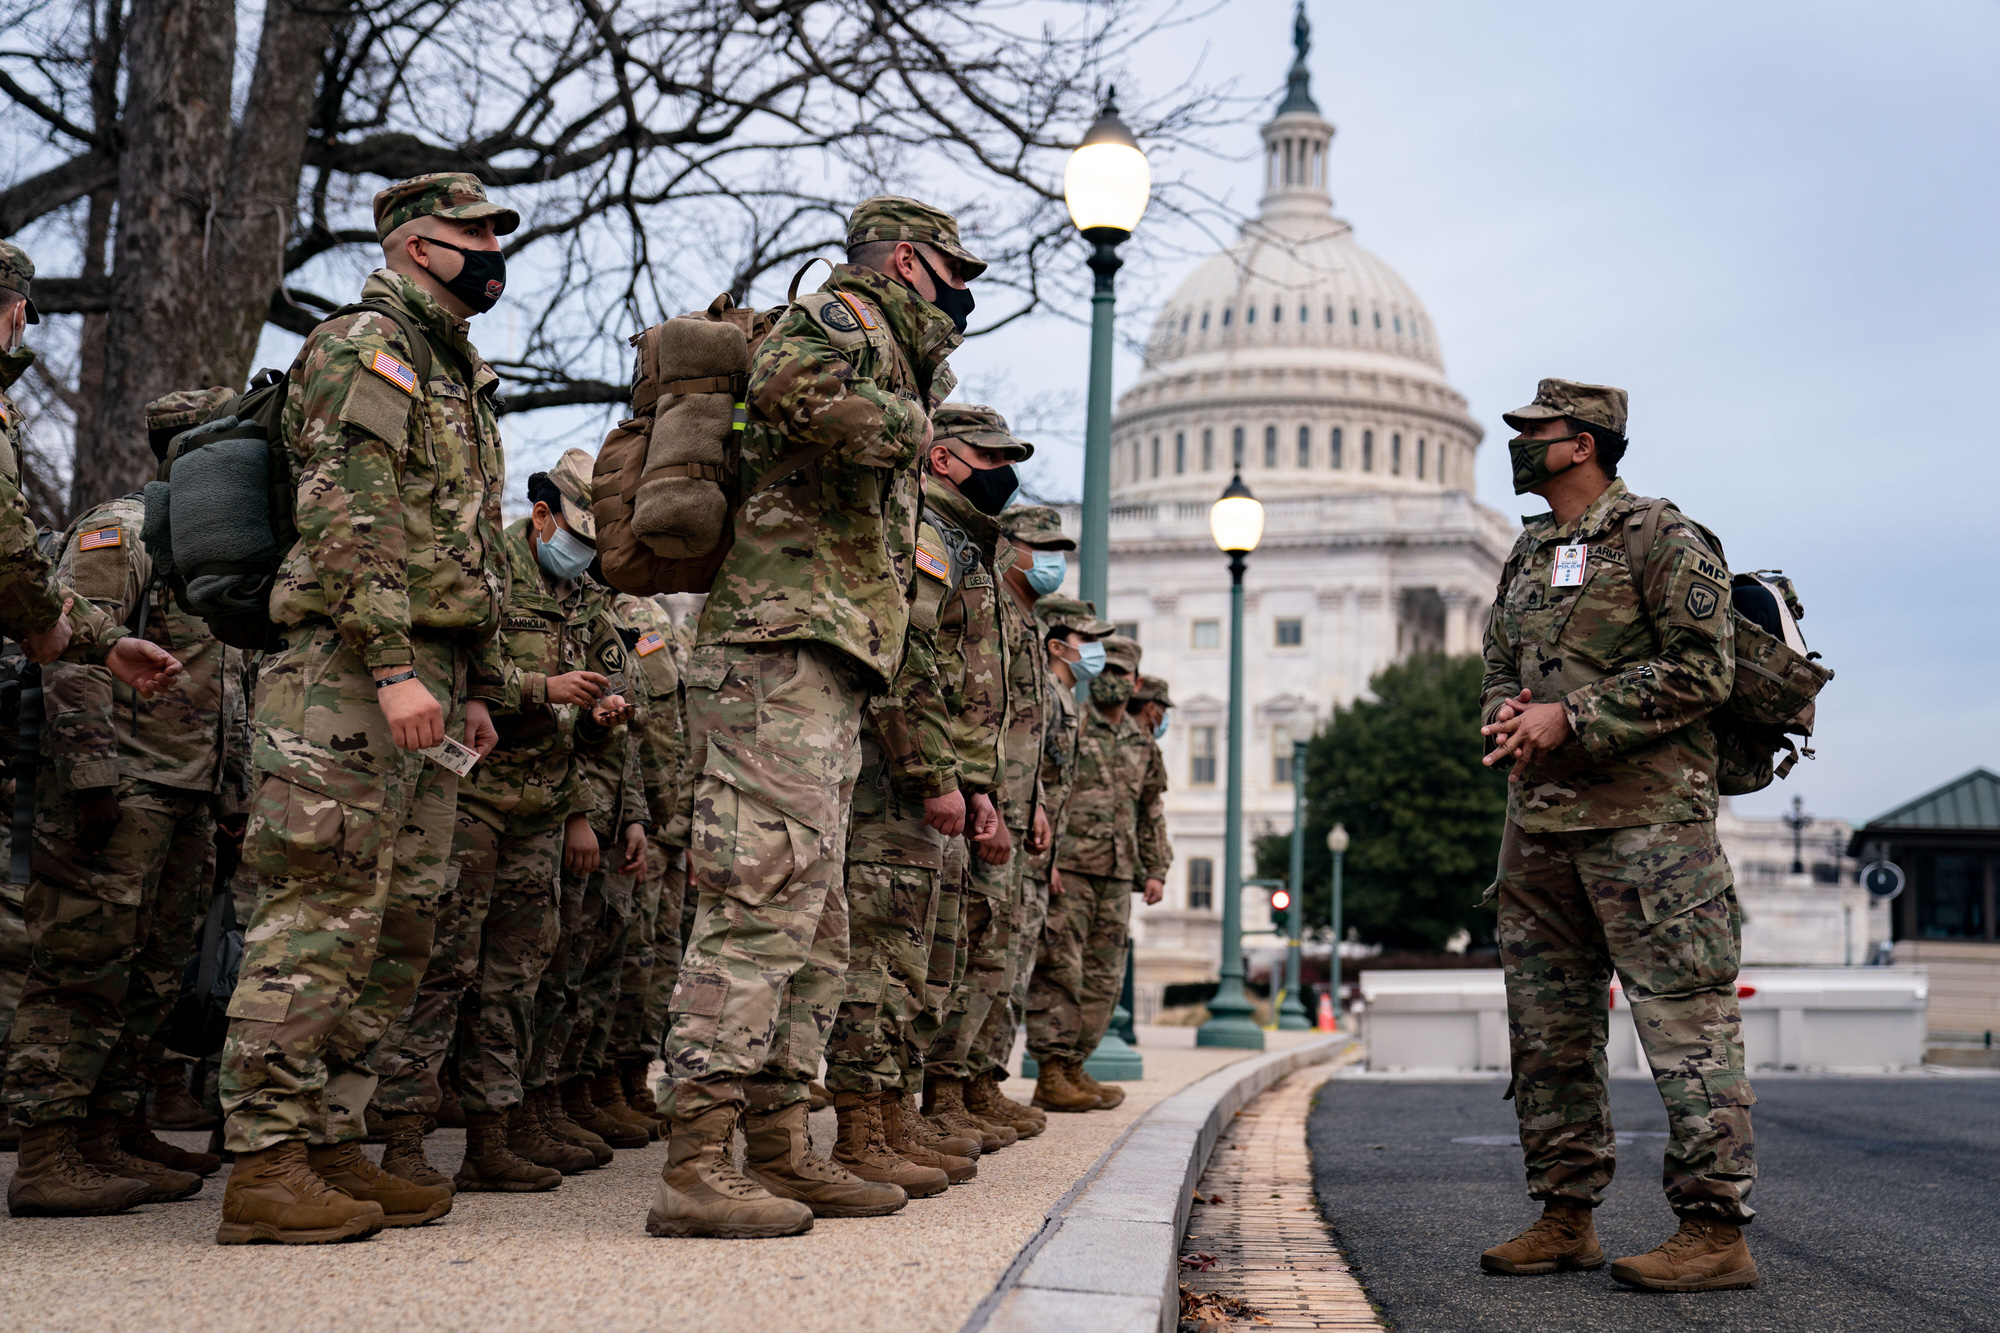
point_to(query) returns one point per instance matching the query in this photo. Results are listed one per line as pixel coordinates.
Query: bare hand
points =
(1055, 882)
(1527, 736)
(1040, 832)
(46, 645)
(416, 721)
(611, 710)
(1155, 890)
(946, 813)
(582, 688)
(985, 819)
(635, 850)
(480, 733)
(1510, 708)
(580, 853)
(142, 664)
(97, 816)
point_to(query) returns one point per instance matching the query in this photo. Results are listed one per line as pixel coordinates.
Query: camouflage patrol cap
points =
(1124, 652)
(1152, 690)
(1598, 404)
(1037, 526)
(571, 476)
(16, 272)
(892, 217)
(177, 411)
(1059, 612)
(442, 194)
(982, 428)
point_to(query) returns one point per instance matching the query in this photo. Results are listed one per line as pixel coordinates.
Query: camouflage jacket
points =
(1156, 854)
(662, 717)
(827, 554)
(1637, 673)
(1101, 834)
(969, 634)
(189, 736)
(906, 732)
(399, 486)
(533, 778)
(613, 784)
(1021, 741)
(1058, 764)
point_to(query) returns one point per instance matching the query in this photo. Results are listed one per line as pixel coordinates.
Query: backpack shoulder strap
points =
(420, 343)
(1642, 542)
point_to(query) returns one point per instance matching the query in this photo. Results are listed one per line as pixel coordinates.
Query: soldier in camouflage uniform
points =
(1072, 635)
(389, 604)
(807, 618)
(126, 807)
(1602, 665)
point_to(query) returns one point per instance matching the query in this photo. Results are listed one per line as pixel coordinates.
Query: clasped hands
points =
(1525, 731)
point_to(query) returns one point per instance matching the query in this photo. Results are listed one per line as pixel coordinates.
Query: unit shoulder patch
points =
(1702, 599)
(836, 317)
(1708, 569)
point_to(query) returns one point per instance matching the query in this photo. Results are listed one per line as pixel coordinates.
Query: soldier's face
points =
(14, 324)
(915, 266)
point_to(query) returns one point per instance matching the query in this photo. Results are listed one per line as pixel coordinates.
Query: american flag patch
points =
(650, 643)
(860, 309)
(394, 371)
(98, 540)
(933, 566)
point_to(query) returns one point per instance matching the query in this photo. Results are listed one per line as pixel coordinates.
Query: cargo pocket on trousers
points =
(769, 818)
(1727, 1088)
(698, 1001)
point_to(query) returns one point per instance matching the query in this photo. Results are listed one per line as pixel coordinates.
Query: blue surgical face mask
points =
(563, 556)
(1047, 575)
(1091, 663)
(1160, 732)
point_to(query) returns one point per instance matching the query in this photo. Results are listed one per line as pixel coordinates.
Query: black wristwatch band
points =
(397, 679)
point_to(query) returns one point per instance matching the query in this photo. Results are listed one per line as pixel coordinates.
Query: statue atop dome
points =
(1298, 83)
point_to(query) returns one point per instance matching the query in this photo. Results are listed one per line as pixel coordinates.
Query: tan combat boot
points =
(1108, 1094)
(897, 1132)
(97, 1144)
(174, 1107)
(946, 1097)
(863, 1149)
(529, 1138)
(607, 1094)
(273, 1195)
(491, 1168)
(918, 1128)
(584, 1112)
(703, 1194)
(51, 1179)
(404, 1203)
(135, 1138)
(818, 1097)
(983, 1099)
(1563, 1237)
(1056, 1091)
(639, 1096)
(405, 1154)
(1701, 1256)
(781, 1159)
(555, 1119)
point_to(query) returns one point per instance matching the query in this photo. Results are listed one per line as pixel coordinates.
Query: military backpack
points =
(1773, 697)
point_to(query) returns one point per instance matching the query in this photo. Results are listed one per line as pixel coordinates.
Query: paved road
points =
(1878, 1208)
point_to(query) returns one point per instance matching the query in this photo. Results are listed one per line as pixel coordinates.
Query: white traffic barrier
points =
(1809, 1018)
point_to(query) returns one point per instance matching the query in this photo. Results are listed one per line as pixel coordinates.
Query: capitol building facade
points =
(1305, 362)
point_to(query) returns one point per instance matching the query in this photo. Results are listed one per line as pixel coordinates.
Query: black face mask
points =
(989, 490)
(954, 301)
(482, 279)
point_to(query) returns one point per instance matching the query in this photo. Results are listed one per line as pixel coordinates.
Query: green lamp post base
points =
(1292, 1016)
(1232, 1024)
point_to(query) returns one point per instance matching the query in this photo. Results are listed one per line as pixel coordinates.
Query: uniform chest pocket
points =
(532, 643)
(1601, 620)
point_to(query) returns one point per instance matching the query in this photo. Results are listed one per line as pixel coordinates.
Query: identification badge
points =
(453, 756)
(618, 685)
(1568, 571)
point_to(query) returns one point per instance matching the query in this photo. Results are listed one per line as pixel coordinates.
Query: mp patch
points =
(1702, 599)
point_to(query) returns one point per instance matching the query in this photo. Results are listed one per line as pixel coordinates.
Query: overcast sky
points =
(1774, 225)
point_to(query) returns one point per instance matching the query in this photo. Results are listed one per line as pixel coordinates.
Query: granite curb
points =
(1107, 1260)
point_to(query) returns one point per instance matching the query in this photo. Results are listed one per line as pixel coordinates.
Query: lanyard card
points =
(451, 755)
(1568, 571)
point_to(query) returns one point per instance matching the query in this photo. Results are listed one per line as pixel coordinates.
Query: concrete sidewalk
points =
(578, 1256)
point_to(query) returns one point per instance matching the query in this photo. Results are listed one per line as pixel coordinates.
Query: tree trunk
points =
(105, 54)
(177, 134)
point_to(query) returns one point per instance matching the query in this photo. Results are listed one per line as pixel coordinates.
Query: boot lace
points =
(1692, 1238)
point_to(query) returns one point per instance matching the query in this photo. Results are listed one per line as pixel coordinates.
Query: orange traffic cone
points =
(1327, 1022)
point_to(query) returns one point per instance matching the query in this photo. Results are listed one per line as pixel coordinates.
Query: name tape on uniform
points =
(1568, 571)
(98, 540)
(394, 371)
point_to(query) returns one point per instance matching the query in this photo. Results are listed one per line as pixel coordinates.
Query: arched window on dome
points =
(1399, 323)
(1420, 458)
(1378, 320)
(1443, 477)
(1277, 314)
(1305, 446)
(1180, 452)
(1333, 448)
(1329, 314)
(1305, 315)
(1207, 450)
(1184, 324)
(1395, 455)
(1236, 448)
(1249, 315)
(1156, 455)
(1367, 451)
(1270, 446)
(1354, 316)
(1225, 317)
(1204, 321)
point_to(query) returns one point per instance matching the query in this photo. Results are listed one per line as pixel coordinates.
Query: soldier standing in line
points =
(497, 927)
(806, 620)
(126, 808)
(1054, 999)
(389, 604)
(1602, 664)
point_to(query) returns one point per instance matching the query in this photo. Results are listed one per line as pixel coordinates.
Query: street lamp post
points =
(1292, 1013)
(1237, 521)
(1336, 842)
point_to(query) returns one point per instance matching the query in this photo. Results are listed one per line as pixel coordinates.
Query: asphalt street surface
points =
(1878, 1208)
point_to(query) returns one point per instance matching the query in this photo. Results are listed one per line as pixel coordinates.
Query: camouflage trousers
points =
(14, 946)
(892, 912)
(652, 956)
(351, 840)
(1656, 904)
(995, 1045)
(111, 936)
(779, 730)
(948, 953)
(1081, 969)
(496, 1022)
(579, 991)
(991, 914)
